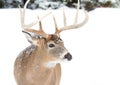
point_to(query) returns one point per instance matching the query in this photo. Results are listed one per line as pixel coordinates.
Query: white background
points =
(95, 47)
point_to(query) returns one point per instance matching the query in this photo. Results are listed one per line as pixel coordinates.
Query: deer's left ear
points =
(32, 37)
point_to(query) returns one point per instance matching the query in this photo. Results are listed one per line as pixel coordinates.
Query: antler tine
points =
(59, 30)
(76, 18)
(41, 31)
(75, 25)
(40, 23)
(56, 26)
(64, 16)
(22, 13)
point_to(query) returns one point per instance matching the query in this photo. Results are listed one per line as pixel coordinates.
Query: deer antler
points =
(22, 13)
(28, 27)
(75, 25)
(41, 32)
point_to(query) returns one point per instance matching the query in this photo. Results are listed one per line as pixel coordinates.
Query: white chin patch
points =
(51, 64)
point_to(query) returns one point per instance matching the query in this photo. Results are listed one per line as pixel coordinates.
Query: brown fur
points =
(29, 69)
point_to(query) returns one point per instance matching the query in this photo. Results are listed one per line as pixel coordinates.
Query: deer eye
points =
(51, 45)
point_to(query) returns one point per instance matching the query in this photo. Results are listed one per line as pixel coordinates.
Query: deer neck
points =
(41, 60)
(38, 70)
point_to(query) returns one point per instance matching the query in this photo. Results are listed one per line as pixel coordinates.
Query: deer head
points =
(50, 43)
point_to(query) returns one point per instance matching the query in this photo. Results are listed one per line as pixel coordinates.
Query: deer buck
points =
(39, 64)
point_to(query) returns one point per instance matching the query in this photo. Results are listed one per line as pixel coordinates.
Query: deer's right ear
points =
(32, 37)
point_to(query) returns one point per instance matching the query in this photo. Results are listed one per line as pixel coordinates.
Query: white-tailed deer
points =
(39, 64)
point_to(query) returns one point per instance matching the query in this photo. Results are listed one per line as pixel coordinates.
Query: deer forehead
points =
(54, 38)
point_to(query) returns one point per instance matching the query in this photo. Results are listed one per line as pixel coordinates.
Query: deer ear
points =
(32, 37)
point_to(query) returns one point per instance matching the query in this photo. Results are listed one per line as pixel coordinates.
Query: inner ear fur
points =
(33, 38)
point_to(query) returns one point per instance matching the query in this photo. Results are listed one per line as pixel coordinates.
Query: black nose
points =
(68, 56)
